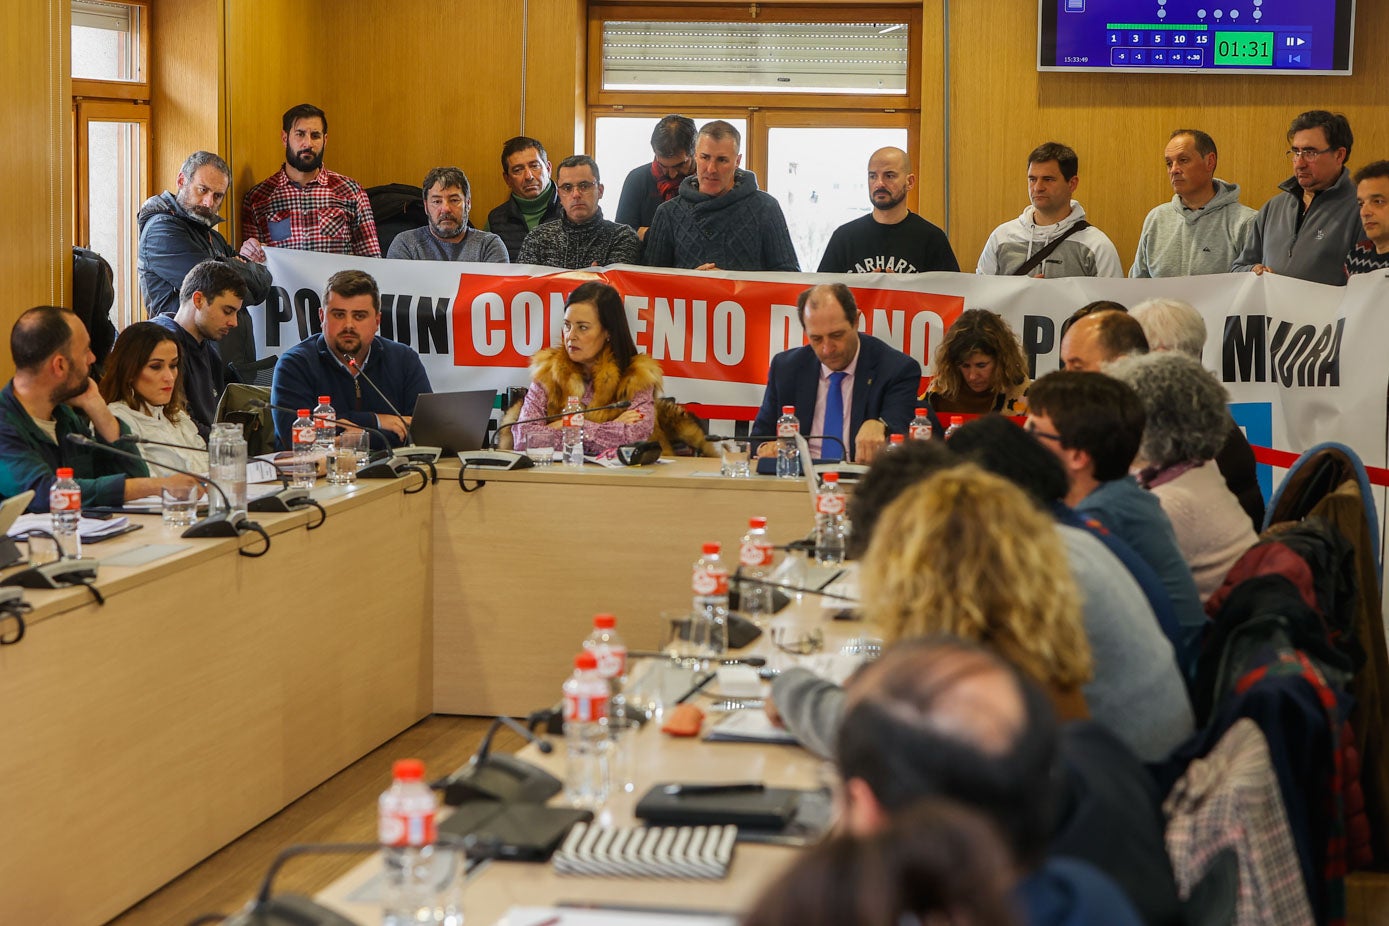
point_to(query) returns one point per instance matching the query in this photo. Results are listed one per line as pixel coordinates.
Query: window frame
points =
(682, 101)
(134, 90)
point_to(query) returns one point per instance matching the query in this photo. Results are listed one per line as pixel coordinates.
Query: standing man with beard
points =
(447, 201)
(51, 396)
(333, 363)
(891, 238)
(304, 205)
(179, 230)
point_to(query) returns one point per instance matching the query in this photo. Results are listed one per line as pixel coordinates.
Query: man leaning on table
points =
(844, 384)
(51, 396)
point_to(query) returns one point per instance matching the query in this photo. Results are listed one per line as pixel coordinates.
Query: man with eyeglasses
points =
(580, 237)
(1094, 425)
(891, 238)
(1204, 226)
(647, 186)
(1308, 230)
(448, 236)
(526, 170)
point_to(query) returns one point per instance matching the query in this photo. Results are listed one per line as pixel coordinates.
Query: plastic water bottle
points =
(405, 827)
(325, 419)
(573, 432)
(788, 454)
(65, 506)
(226, 455)
(586, 734)
(755, 556)
(304, 437)
(956, 422)
(895, 440)
(709, 620)
(610, 653)
(920, 428)
(829, 521)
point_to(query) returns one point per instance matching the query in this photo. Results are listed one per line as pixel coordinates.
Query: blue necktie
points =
(834, 418)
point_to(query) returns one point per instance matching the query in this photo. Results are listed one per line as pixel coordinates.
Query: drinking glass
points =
(179, 504)
(733, 454)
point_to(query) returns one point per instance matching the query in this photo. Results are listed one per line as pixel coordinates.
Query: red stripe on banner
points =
(1285, 459)
(722, 412)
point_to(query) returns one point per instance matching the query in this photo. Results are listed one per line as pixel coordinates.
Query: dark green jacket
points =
(29, 460)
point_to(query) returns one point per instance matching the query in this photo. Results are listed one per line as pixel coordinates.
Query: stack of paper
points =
(87, 528)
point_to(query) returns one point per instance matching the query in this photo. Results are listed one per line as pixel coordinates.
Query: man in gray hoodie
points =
(1204, 227)
(1052, 238)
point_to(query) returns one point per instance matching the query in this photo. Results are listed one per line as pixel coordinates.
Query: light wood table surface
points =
(207, 693)
(495, 887)
(523, 564)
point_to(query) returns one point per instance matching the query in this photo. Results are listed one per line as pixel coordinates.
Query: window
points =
(111, 121)
(814, 90)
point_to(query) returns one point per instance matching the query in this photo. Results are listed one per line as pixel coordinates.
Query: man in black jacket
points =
(178, 231)
(526, 170)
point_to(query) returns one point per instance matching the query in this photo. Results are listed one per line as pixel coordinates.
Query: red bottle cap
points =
(324, 399)
(957, 420)
(303, 413)
(788, 409)
(710, 548)
(897, 438)
(586, 661)
(830, 477)
(757, 522)
(64, 472)
(408, 770)
(604, 621)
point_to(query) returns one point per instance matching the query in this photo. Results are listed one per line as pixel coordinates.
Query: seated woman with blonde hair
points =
(598, 362)
(980, 368)
(143, 387)
(965, 553)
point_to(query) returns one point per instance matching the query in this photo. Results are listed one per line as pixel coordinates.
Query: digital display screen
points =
(1240, 36)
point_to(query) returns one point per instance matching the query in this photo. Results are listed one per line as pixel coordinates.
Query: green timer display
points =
(1245, 49)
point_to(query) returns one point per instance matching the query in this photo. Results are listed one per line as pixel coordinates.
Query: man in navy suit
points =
(849, 385)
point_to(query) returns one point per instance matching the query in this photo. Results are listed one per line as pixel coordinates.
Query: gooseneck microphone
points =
(214, 525)
(503, 778)
(356, 368)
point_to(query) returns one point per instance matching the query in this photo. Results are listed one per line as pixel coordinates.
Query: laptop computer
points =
(452, 421)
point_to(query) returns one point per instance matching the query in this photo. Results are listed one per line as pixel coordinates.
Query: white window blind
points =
(860, 58)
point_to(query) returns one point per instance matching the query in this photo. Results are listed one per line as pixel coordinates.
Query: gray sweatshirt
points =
(1180, 242)
(1316, 251)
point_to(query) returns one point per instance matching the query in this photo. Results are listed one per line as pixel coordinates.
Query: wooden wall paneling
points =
(186, 84)
(929, 151)
(436, 84)
(273, 62)
(36, 151)
(555, 76)
(1001, 107)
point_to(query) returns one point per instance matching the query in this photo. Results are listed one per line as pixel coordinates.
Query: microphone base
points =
(416, 453)
(495, 459)
(214, 526)
(392, 468)
(288, 910)
(501, 778)
(282, 501)
(59, 574)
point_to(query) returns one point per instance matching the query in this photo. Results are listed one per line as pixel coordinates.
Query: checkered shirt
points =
(331, 214)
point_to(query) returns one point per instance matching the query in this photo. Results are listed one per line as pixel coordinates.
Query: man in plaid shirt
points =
(304, 205)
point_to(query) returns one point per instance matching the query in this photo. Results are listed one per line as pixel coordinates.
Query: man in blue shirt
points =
(370, 381)
(1094, 424)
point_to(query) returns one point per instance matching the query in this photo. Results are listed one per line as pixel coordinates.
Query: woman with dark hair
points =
(980, 368)
(597, 362)
(939, 863)
(143, 387)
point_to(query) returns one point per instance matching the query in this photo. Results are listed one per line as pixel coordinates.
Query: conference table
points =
(213, 689)
(492, 889)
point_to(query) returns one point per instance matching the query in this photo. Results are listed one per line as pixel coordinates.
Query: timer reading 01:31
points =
(1245, 49)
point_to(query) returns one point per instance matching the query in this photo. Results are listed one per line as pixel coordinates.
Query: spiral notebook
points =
(700, 852)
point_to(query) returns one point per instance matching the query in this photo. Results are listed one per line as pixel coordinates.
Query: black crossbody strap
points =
(1035, 260)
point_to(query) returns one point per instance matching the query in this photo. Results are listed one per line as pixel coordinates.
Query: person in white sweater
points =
(143, 388)
(1186, 425)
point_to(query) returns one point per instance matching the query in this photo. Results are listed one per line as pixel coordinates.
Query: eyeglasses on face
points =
(583, 186)
(1307, 154)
